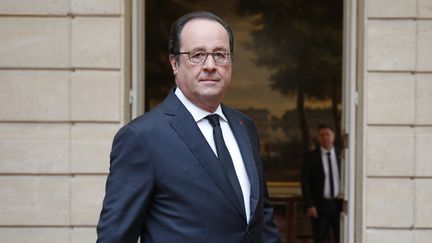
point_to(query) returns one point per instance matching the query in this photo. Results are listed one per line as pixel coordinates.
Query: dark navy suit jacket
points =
(313, 177)
(166, 185)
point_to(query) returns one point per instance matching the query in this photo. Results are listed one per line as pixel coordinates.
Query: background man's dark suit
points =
(176, 189)
(312, 181)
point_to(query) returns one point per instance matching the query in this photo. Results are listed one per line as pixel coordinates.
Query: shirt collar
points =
(325, 151)
(197, 113)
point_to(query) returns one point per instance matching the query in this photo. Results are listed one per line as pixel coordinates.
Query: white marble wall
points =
(398, 121)
(62, 78)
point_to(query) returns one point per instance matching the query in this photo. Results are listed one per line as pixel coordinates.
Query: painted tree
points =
(301, 41)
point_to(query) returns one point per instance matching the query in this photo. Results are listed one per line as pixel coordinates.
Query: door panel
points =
(287, 76)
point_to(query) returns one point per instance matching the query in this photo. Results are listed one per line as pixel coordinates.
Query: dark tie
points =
(224, 156)
(330, 175)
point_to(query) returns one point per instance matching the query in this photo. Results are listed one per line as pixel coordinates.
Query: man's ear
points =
(174, 64)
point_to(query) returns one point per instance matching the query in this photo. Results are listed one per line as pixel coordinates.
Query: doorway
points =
(287, 76)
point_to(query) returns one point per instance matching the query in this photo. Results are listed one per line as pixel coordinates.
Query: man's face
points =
(205, 83)
(325, 138)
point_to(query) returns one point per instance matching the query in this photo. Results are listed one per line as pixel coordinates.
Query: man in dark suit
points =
(179, 175)
(321, 186)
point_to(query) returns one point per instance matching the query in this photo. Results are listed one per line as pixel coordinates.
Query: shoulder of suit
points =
(148, 120)
(314, 152)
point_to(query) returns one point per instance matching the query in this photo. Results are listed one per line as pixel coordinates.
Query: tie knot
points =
(213, 119)
(328, 154)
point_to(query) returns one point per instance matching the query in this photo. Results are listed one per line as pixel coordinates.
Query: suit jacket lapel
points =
(184, 124)
(240, 133)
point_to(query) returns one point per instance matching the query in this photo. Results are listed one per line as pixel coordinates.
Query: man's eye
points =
(220, 55)
(198, 55)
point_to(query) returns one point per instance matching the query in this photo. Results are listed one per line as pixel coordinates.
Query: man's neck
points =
(326, 149)
(197, 112)
(210, 105)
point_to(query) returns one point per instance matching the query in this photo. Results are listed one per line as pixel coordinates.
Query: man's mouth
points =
(209, 80)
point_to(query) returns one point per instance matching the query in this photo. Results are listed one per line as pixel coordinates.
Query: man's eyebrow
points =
(220, 49)
(197, 49)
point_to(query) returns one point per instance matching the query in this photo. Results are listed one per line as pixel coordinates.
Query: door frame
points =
(351, 217)
(137, 90)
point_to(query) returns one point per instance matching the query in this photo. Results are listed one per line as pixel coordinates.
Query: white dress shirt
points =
(233, 148)
(335, 172)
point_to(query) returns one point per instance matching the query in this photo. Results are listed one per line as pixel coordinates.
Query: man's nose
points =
(209, 64)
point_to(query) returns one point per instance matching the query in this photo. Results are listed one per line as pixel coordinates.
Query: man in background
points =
(320, 179)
